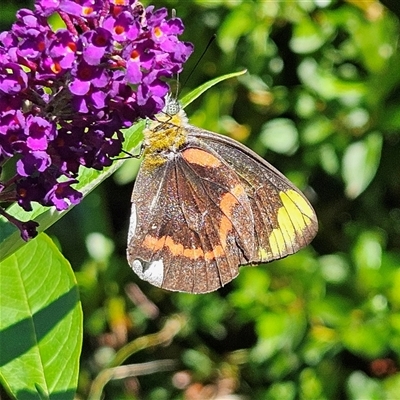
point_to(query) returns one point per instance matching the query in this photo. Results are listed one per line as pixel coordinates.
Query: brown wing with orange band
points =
(203, 210)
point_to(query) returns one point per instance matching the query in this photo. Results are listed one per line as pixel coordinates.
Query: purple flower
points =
(29, 190)
(62, 49)
(95, 45)
(123, 27)
(61, 192)
(39, 132)
(33, 162)
(66, 94)
(12, 79)
(28, 230)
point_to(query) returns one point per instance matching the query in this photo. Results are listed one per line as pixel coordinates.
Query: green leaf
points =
(41, 323)
(368, 250)
(282, 391)
(317, 130)
(334, 268)
(280, 135)
(361, 386)
(311, 386)
(276, 331)
(198, 361)
(194, 94)
(392, 386)
(368, 338)
(329, 159)
(239, 22)
(329, 86)
(360, 163)
(307, 37)
(10, 239)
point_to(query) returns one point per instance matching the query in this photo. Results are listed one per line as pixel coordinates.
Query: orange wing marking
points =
(201, 157)
(227, 204)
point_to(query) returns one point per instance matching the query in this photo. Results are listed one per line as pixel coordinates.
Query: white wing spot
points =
(152, 272)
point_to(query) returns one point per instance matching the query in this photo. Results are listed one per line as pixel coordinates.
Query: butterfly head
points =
(172, 112)
(172, 105)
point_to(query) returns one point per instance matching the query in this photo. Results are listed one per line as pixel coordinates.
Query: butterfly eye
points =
(172, 106)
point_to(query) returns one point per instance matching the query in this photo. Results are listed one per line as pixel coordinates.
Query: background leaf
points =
(360, 163)
(331, 69)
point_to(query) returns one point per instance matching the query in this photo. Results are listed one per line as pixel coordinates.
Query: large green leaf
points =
(40, 324)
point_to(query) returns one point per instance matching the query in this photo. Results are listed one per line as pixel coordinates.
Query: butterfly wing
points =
(192, 224)
(209, 207)
(284, 220)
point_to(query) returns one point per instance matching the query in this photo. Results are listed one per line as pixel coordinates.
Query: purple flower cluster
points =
(65, 94)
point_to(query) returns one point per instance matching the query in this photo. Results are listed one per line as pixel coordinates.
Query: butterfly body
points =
(203, 204)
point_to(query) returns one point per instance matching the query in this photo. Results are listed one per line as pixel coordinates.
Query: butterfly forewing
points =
(284, 219)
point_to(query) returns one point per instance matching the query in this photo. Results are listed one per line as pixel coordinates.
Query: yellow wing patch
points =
(301, 203)
(293, 218)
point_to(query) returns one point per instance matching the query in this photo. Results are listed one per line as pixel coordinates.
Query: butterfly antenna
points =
(213, 37)
(177, 87)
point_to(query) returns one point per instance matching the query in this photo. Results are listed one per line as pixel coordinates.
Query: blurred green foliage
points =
(321, 103)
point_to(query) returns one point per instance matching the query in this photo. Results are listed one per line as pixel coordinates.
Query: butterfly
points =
(204, 204)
